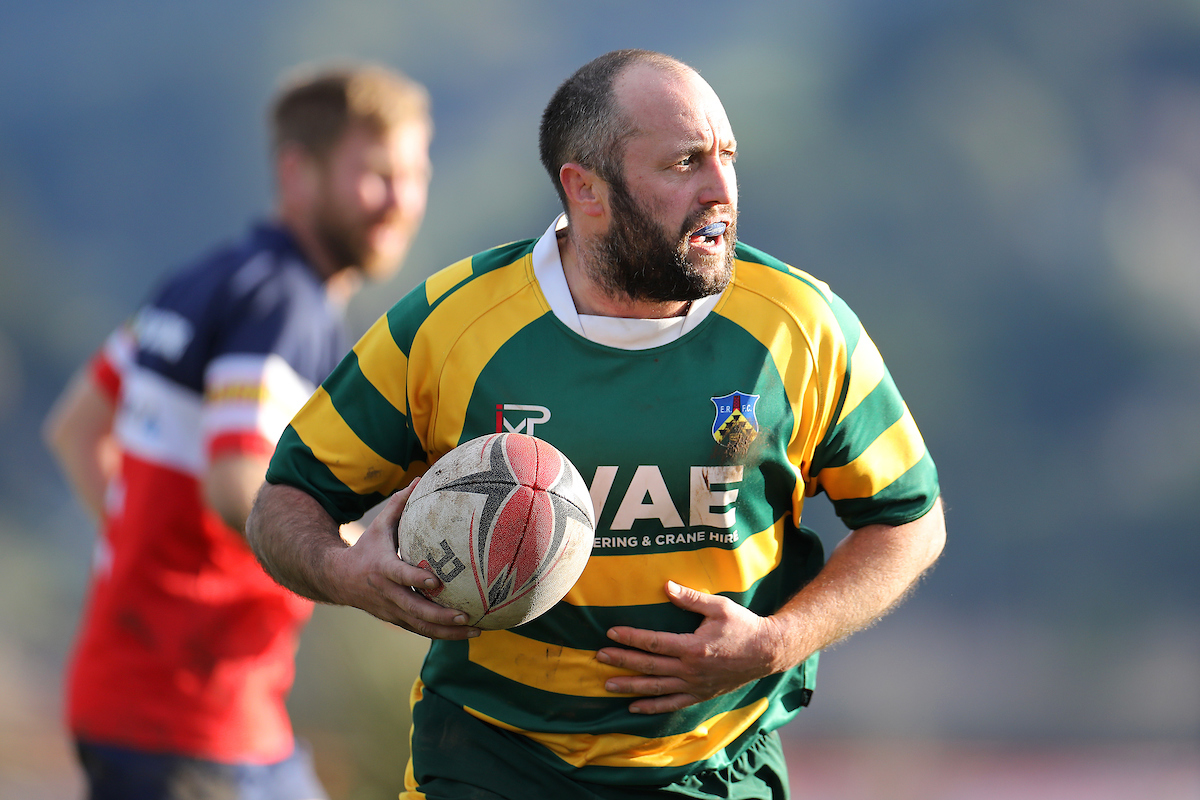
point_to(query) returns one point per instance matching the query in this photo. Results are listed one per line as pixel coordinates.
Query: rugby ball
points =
(506, 523)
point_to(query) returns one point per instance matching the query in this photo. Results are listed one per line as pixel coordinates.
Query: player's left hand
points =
(730, 648)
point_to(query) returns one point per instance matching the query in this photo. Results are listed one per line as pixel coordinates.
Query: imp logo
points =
(735, 423)
(526, 417)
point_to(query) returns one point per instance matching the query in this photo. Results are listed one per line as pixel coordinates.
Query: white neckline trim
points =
(618, 332)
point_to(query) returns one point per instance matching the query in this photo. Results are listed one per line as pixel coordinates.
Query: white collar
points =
(619, 332)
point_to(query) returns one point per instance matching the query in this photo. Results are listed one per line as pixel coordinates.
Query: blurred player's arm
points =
(230, 483)
(78, 433)
(233, 480)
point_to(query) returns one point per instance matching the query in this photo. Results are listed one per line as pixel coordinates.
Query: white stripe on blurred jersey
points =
(158, 421)
(251, 394)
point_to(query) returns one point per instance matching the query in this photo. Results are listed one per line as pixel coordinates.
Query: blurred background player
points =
(186, 650)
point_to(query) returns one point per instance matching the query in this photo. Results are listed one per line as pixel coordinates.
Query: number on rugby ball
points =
(506, 522)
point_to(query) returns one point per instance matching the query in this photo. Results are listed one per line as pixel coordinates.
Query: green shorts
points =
(458, 757)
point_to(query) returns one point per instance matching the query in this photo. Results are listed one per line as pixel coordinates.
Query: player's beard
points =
(638, 258)
(345, 241)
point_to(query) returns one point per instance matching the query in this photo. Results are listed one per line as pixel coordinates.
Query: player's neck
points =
(594, 299)
(341, 283)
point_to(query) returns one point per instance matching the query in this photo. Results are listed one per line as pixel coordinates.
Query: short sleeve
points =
(276, 339)
(872, 461)
(352, 444)
(110, 363)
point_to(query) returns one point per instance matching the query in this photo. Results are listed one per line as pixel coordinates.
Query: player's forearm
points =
(78, 432)
(867, 575)
(294, 538)
(81, 464)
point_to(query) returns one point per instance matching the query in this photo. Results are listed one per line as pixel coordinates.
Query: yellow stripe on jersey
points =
(236, 392)
(446, 279)
(626, 750)
(893, 453)
(410, 777)
(866, 371)
(750, 310)
(449, 361)
(640, 579)
(550, 668)
(333, 442)
(799, 352)
(384, 364)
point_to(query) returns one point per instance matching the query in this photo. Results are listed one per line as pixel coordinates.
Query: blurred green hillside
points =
(1006, 191)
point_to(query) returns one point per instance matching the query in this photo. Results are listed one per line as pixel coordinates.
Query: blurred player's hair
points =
(315, 105)
(583, 124)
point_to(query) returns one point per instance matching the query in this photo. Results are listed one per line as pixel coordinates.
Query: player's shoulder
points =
(793, 291)
(505, 268)
(263, 267)
(453, 278)
(266, 254)
(268, 261)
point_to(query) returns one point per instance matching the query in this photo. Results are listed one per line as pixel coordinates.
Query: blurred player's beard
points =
(638, 258)
(347, 242)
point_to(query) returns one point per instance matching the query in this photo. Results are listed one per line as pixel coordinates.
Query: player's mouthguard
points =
(710, 231)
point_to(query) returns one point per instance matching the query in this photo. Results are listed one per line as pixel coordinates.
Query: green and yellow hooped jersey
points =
(700, 454)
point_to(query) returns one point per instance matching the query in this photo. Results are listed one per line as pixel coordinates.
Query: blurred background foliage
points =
(1006, 191)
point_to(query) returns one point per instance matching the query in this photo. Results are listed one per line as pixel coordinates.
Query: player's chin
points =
(383, 247)
(710, 275)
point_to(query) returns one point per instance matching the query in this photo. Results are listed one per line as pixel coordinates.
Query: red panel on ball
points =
(508, 531)
(539, 532)
(485, 520)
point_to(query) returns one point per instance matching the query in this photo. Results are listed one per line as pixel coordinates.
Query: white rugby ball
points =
(506, 523)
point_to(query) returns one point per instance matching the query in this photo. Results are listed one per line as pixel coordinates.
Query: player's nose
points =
(720, 187)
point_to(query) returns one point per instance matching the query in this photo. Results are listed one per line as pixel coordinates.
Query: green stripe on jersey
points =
(507, 765)
(908, 498)
(848, 439)
(500, 256)
(406, 317)
(368, 413)
(317, 480)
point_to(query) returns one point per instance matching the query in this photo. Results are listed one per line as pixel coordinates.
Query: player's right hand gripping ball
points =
(506, 522)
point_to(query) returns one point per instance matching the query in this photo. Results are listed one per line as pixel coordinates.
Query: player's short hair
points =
(315, 105)
(584, 124)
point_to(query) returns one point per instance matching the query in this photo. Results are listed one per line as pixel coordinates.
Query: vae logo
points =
(735, 422)
(516, 418)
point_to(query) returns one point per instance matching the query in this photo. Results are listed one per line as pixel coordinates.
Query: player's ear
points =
(296, 174)
(585, 190)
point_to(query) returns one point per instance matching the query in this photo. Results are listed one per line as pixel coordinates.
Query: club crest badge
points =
(735, 423)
